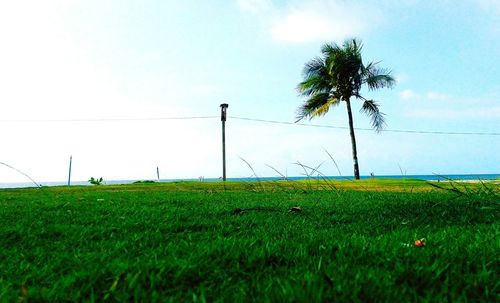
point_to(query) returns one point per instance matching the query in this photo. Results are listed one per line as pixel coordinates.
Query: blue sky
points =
(111, 59)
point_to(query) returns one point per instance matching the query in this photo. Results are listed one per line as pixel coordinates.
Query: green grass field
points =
(194, 241)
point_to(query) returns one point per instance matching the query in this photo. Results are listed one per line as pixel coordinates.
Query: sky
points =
(96, 80)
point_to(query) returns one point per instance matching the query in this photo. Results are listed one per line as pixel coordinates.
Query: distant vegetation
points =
(144, 182)
(284, 241)
(96, 181)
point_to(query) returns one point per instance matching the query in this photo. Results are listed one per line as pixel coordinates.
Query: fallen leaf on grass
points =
(420, 243)
(417, 243)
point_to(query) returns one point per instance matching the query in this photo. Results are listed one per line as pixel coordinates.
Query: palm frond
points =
(308, 109)
(315, 84)
(371, 108)
(314, 67)
(323, 109)
(344, 66)
(330, 49)
(380, 81)
(353, 45)
(376, 77)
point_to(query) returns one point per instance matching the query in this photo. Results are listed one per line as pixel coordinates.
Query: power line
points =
(105, 119)
(369, 129)
(244, 119)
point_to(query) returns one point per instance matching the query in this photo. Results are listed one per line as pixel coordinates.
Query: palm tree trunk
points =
(353, 141)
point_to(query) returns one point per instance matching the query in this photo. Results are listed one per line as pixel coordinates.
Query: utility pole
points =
(69, 175)
(223, 116)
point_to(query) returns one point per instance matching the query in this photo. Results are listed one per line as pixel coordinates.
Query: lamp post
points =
(223, 116)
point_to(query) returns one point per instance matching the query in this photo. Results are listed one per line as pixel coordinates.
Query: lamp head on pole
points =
(223, 111)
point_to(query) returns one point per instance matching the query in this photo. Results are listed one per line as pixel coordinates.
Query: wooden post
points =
(223, 116)
(69, 175)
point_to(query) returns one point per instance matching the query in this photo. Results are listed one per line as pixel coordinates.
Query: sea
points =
(433, 177)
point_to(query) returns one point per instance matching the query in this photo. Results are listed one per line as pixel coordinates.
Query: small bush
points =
(96, 181)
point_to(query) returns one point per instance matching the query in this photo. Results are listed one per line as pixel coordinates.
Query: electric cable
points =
(247, 119)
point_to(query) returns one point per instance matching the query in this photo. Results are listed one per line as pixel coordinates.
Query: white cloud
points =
(308, 26)
(438, 105)
(320, 20)
(255, 6)
(490, 5)
(408, 94)
(401, 78)
(435, 96)
(453, 114)
(492, 8)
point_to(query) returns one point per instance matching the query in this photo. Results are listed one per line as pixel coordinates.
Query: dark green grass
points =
(195, 242)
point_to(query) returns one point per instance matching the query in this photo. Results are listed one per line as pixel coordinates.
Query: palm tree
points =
(338, 76)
